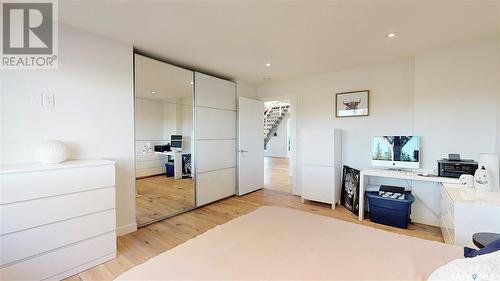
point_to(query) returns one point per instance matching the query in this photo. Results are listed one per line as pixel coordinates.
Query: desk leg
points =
(362, 182)
(178, 166)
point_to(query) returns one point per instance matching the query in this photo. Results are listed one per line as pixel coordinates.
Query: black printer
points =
(456, 168)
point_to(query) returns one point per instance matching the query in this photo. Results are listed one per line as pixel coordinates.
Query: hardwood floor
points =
(159, 196)
(154, 239)
(276, 174)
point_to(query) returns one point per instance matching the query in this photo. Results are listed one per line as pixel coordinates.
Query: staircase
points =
(273, 115)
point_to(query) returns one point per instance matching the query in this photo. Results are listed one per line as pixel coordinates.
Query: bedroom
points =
(431, 70)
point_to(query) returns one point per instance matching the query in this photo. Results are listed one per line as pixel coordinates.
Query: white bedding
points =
(280, 243)
(480, 268)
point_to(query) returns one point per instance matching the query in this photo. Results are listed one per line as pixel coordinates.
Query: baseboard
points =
(126, 229)
(150, 176)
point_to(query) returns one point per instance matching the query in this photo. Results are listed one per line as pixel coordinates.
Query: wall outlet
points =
(48, 100)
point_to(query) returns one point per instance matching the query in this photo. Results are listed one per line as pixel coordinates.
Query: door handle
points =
(242, 150)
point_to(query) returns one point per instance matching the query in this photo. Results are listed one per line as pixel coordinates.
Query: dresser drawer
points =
(140, 173)
(150, 157)
(39, 184)
(448, 229)
(150, 164)
(446, 204)
(28, 214)
(64, 259)
(23, 244)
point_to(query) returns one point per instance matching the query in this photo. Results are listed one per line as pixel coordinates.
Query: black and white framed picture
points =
(351, 104)
(349, 196)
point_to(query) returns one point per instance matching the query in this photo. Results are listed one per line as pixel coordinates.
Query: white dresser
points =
(56, 219)
(466, 213)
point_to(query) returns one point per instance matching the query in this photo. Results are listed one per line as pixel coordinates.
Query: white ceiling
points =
(300, 38)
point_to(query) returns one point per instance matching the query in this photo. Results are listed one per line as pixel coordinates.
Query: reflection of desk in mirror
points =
(176, 156)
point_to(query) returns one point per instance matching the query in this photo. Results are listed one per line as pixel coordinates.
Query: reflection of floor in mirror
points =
(159, 196)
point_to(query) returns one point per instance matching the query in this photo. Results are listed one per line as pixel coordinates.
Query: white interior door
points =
(250, 145)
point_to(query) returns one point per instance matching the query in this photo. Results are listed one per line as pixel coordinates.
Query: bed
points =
(280, 243)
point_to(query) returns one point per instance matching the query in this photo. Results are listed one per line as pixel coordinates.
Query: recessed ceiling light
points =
(192, 83)
(268, 64)
(391, 35)
(153, 92)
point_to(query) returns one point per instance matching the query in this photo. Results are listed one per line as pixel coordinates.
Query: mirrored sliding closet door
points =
(164, 134)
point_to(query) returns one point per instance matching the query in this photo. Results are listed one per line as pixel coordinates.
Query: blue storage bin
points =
(388, 211)
(169, 167)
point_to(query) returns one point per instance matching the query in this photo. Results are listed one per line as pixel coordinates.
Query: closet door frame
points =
(193, 148)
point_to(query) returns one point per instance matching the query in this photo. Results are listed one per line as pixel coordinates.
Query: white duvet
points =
(480, 268)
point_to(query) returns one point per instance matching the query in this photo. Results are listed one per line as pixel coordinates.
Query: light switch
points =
(48, 100)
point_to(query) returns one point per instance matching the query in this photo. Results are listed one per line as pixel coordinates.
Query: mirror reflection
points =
(163, 140)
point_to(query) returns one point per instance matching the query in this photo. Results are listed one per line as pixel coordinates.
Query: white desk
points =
(394, 174)
(177, 156)
(462, 213)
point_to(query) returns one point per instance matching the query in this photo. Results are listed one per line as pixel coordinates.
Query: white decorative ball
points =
(52, 151)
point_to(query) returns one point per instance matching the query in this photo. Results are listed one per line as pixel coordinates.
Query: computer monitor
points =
(176, 142)
(396, 151)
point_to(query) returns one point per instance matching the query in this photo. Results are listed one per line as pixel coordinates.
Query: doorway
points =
(278, 143)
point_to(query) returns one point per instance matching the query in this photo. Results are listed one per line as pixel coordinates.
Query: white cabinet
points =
(466, 213)
(215, 137)
(320, 165)
(56, 219)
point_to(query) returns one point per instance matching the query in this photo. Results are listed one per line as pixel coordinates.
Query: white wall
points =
(93, 113)
(248, 90)
(278, 145)
(156, 121)
(410, 96)
(498, 108)
(149, 117)
(187, 124)
(461, 84)
(315, 105)
(169, 120)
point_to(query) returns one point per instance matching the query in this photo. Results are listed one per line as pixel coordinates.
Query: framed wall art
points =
(352, 104)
